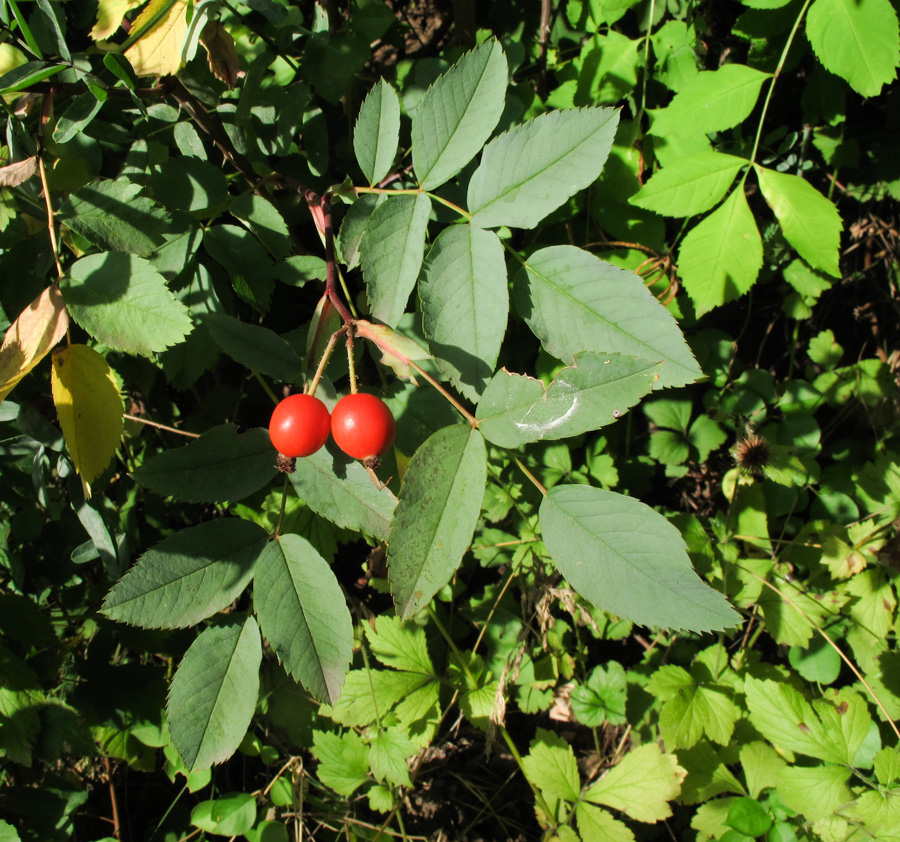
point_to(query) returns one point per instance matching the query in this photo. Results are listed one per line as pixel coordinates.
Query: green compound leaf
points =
(810, 222)
(712, 101)
(690, 185)
(377, 132)
(440, 501)
(465, 305)
(458, 114)
(391, 250)
(529, 171)
(340, 490)
(599, 307)
(113, 216)
(213, 694)
(858, 40)
(629, 560)
(597, 390)
(255, 347)
(188, 576)
(221, 466)
(124, 302)
(720, 258)
(550, 766)
(641, 785)
(303, 614)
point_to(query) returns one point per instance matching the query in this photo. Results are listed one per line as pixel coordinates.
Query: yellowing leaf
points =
(109, 16)
(641, 785)
(157, 52)
(30, 338)
(87, 400)
(220, 49)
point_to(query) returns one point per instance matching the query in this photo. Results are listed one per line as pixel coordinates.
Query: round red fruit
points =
(300, 425)
(362, 426)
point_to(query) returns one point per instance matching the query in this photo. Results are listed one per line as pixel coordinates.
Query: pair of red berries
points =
(361, 425)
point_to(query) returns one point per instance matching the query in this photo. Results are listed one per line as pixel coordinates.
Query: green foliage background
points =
(645, 252)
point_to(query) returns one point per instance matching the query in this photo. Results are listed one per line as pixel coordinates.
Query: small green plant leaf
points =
(602, 698)
(124, 302)
(377, 132)
(720, 258)
(440, 500)
(749, 817)
(113, 216)
(76, 117)
(711, 101)
(247, 263)
(604, 309)
(458, 114)
(550, 766)
(343, 761)
(810, 222)
(887, 765)
(594, 392)
(230, 815)
(188, 576)
(255, 347)
(340, 490)
(221, 466)
(399, 646)
(354, 226)
(641, 785)
(388, 756)
(465, 304)
(213, 694)
(391, 250)
(815, 791)
(265, 222)
(690, 185)
(858, 40)
(529, 171)
(596, 825)
(626, 559)
(303, 614)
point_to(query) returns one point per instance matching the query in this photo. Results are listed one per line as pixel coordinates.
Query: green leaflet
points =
(858, 40)
(626, 559)
(458, 114)
(465, 304)
(213, 694)
(377, 132)
(255, 347)
(303, 614)
(720, 258)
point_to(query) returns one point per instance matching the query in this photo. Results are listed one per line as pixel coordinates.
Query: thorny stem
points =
(160, 426)
(775, 75)
(326, 355)
(330, 265)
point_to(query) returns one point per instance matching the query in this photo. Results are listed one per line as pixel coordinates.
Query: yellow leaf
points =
(30, 338)
(109, 16)
(89, 406)
(220, 49)
(157, 52)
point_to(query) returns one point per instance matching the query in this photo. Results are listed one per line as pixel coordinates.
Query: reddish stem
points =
(330, 265)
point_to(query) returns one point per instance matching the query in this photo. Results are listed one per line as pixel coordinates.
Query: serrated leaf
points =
(397, 350)
(858, 40)
(596, 825)
(400, 646)
(711, 101)
(814, 791)
(246, 261)
(264, 220)
(602, 698)
(377, 132)
(626, 559)
(810, 222)
(303, 614)
(31, 337)
(220, 466)
(438, 508)
(124, 302)
(550, 766)
(465, 303)
(689, 185)
(641, 785)
(188, 576)
(597, 390)
(887, 765)
(708, 774)
(388, 755)
(369, 694)
(113, 216)
(255, 347)
(458, 114)
(354, 225)
(160, 31)
(340, 490)
(391, 252)
(603, 308)
(213, 694)
(720, 258)
(529, 171)
(86, 394)
(343, 761)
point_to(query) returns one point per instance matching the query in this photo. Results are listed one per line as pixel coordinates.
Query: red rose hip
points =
(300, 425)
(362, 426)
